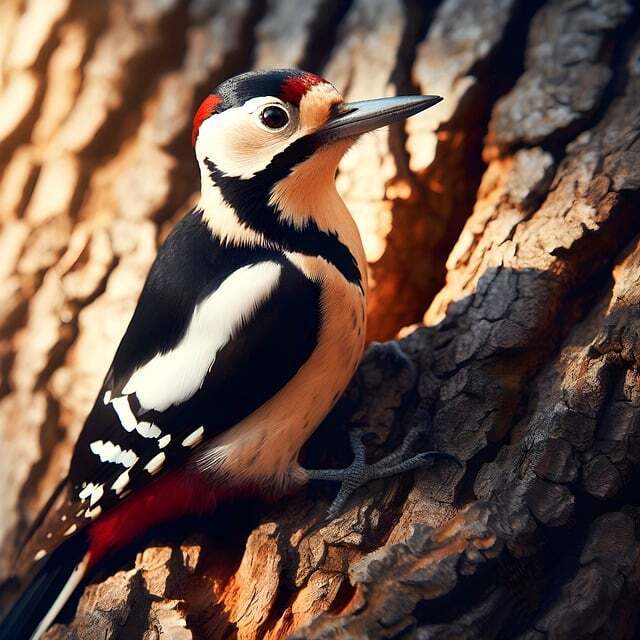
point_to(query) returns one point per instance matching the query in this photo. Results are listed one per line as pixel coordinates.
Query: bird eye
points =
(274, 117)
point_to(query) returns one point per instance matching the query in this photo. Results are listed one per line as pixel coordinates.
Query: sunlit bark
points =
(505, 222)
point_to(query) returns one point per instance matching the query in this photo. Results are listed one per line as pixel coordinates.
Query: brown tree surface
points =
(505, 223)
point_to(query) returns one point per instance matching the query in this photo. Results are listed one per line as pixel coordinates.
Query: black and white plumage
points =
(200, 354)
(248, 328)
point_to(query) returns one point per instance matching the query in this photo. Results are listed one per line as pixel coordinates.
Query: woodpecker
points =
(248, 329)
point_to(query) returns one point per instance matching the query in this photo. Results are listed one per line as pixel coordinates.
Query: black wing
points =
(169, 386)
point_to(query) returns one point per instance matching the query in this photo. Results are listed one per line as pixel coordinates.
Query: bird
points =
(248, 329)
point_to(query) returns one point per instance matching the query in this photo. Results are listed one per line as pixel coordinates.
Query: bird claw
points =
(359, 473)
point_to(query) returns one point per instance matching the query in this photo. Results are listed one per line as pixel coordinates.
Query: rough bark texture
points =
(506, 220)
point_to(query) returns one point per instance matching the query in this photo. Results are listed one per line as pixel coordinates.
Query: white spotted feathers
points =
(155, 464)
(110, 452)
(167, 379)
(173, 377)
(193, 438)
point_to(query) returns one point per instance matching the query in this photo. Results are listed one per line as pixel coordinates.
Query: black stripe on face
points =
(250, 201)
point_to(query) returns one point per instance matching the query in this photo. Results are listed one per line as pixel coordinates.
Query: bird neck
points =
(300, 211)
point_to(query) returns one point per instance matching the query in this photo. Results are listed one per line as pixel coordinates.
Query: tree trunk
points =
(504, 222)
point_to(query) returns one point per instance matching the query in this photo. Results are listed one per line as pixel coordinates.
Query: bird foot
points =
(359, 473)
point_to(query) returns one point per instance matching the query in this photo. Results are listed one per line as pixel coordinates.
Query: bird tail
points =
(47, 592)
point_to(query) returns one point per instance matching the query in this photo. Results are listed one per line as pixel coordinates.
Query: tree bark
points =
(503, 233)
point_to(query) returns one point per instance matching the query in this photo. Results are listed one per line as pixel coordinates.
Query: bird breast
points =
(263, 447)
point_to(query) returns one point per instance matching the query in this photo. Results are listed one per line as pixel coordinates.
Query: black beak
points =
(355, 118)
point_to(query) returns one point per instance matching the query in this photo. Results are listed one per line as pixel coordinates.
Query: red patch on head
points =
(207, 107)
(295, 87)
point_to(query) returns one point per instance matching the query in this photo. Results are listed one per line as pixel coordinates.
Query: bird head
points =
(268, 144)
(264, 123)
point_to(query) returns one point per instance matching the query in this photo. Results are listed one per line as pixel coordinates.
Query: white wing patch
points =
(96, 494)
(93, 492)
(155, 464)
(121, 482)
(193, 438)
(86, 491)
(92, 514)
(122, 407)
(164, 441)
(148, 430)
(173, 377)
(110, 452)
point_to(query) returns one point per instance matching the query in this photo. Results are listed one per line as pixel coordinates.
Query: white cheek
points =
(238, 145)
